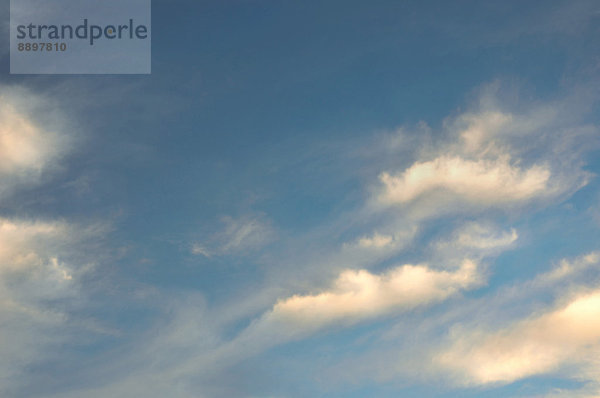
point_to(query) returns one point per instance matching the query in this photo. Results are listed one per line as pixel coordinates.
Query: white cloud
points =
(241, 235)
(568, 268)
(370, 249)
(480, 168)
(33, 279)
(492, 158)
(479, 236)
(245, 233)
(42, 266)
(32, 137)
(481, 164)
(198, 249)
(474, 239)
(358, 295)
(377, 241)
(22, 241)
(485, 182)
(480, 128)
(39, 282)
(539, 345)
(353, 297)
(33, 259)
(497, 338)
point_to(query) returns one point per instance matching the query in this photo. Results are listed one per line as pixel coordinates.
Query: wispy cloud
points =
(377, 241)
(40, 283)
(347, 274)
(237, 236)
(41, 261)
(481, 237)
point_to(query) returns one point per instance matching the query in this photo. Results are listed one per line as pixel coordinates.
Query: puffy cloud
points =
(353, 297)
(492, 158)
(480, 168)
(31, 137)
(415, 348)
(357, 295)
(19, 140)
(486, 182)
(542, 344)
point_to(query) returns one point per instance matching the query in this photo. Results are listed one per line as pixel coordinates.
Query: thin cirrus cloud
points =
(33, 267)
(37, 285)
(238, 236)
(484, 237)
(377, 241)
(568, 268)
(476, 240)
(21, 243)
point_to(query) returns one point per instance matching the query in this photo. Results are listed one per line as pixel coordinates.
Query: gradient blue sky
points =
(310, 199)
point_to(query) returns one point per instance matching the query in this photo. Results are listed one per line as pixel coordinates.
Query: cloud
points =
(485, 160)
(492, 158)
(480, 236)
(478, 341)
(32, 137)
(245, 233)
(198, 249)
(38, 287)
(568, 268)
(238, 236)
(377, 241)
(353, 297)
(486, 182)
(359, 295)
(542, 344)
(474, 239)
(24, 244)
(40, 260)
(481, 127)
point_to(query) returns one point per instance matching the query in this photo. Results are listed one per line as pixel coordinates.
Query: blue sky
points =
(310, 199)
